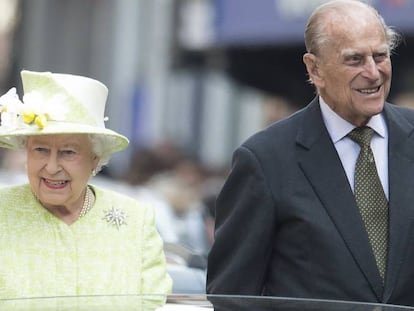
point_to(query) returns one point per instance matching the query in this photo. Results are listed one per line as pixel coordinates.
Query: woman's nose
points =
(53, 166)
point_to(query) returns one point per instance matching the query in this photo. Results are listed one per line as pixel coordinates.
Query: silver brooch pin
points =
(115, 217)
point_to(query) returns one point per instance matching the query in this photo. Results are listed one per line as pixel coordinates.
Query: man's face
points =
(354, 71)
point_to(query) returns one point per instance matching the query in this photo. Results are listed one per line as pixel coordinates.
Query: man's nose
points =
(371, 69)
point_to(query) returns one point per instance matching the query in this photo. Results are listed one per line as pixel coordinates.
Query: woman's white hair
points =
(98, 147)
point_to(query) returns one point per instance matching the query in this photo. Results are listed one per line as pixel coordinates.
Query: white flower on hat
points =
(37, 110)
(33, 110)
(10, 106)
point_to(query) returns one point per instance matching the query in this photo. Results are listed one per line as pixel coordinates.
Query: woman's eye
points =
(68, 152)
(41, 150)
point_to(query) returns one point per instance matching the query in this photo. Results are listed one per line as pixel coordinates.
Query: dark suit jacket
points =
(287, 223)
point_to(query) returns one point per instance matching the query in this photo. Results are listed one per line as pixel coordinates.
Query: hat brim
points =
(113, 142)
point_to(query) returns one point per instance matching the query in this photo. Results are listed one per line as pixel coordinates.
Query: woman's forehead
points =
(60, 139)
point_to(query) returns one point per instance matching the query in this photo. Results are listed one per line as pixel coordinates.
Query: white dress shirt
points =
(348, 150)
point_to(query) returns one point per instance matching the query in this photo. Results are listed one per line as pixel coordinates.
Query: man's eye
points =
(354, 60)
(380, 57)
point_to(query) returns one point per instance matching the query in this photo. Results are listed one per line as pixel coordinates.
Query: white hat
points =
(56, 103)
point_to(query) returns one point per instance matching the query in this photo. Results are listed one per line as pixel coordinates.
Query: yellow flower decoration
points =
(29, 117)
(41, 121)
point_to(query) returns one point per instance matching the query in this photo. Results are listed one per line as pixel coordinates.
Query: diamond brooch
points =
(115, 217)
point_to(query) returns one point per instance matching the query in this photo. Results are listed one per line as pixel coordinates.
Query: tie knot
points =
(362, 135)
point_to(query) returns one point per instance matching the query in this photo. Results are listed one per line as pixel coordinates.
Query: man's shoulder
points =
(279, 133)
(406, 111)
(399, 114)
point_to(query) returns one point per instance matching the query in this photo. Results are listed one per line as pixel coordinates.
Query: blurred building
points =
(199, 73)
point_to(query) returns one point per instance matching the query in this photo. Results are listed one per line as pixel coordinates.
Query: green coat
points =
(43, 256)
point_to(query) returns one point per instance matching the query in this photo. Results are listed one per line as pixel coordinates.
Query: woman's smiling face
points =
(59, 168)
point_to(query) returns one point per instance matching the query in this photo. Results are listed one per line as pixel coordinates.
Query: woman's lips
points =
(55, 184)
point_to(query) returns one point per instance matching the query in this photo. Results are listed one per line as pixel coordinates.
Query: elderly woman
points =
(61, 236)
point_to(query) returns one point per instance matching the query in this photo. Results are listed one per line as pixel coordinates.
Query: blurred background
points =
(188, 81)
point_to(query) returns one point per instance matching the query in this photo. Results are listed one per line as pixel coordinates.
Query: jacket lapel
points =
(401, 203)
(321, 165)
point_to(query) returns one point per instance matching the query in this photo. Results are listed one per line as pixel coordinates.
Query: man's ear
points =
(313, 69)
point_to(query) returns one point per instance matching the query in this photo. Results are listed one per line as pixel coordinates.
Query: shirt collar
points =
(338, 127)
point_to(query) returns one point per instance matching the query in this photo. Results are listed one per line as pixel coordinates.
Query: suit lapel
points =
(401, 172)
(321, 165)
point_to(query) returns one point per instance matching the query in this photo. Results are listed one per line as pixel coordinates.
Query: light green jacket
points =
(42, 256)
